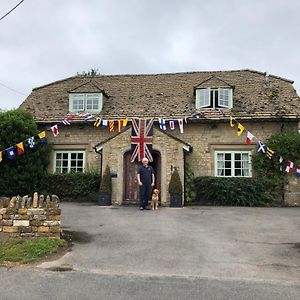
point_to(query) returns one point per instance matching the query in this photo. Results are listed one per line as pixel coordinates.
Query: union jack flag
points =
(141, 140)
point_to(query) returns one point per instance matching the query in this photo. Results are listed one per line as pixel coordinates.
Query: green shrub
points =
(287, 145)
(25, 173)
(175, 186)
(190, 193)
(72, 186)
(231, 191)
(106, 183)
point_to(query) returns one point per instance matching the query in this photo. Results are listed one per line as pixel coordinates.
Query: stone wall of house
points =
(82, 138)
(30, 217)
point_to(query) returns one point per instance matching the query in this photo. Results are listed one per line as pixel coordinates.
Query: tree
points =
(25, 173)
(90, 73)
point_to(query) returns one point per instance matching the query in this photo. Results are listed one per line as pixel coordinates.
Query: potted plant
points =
(175, 190)
(105, 191)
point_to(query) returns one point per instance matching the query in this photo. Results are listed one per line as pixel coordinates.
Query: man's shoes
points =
(141, 208)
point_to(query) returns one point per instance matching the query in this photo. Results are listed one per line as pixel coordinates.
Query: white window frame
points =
(69, 152)
(232, 163)
(85, 97)
(203, 98)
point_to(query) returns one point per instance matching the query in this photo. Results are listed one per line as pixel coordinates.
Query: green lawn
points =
(27, 251)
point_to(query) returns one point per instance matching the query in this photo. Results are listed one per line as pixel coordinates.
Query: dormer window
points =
(213, 98)
(85, 102)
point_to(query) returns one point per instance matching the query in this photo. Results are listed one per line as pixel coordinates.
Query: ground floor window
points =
(233, 163)
(68, 161)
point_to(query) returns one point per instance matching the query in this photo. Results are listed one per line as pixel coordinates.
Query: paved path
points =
(195, 242)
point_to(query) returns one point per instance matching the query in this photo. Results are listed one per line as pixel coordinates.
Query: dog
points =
(154, 199)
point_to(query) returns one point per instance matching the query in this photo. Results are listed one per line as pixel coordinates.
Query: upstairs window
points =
(214, 98)
(85, 102)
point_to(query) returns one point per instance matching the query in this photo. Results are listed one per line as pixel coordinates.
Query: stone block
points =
(27, 235)
(28, 203)
(12, 202)
(36, 222)
(41, 201)
(11, 211)
(22, 211)
(34, 228)
(21, 223)
(10, 229)
(53, 218)
(55, 229)
(53, 211)
(35, 211)
(48, 201)
(24, 229)
(51, 223)
(1, 217)
(39, 217)
(6, 222)
(0, 228)
(43, 229)
(24, 201)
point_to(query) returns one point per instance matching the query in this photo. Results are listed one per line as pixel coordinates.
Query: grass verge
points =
(28, 251)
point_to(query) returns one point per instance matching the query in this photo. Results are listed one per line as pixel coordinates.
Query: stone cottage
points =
(263, 103)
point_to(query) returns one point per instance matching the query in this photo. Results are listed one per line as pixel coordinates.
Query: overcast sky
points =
(47, 40)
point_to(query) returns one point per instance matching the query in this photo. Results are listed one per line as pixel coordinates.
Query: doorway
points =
(130, 185)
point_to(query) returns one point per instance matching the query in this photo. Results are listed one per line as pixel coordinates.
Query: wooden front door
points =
(131, 188)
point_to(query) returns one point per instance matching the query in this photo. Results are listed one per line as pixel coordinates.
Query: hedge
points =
(231, 191)
(73, 186)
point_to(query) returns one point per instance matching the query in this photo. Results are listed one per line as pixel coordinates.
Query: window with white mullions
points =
(214, 98)
(85, 102)
(233, 163)
(68, 161)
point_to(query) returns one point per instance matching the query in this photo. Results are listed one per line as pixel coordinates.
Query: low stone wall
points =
(29, 217)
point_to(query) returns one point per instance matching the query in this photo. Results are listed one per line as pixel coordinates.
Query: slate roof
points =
(256, 95)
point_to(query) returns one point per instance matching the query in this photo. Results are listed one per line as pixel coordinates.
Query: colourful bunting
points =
(97, 122)
(88, 117)
(10, 152)
(298, 171)
(42, 136)
(66, 122)
(261, 147)
(111, 126)
(0, 156)
(20, 148)
(233, 122)
(120, 125)
(104, 123)
(162, 124)
(240, 129)
(31, 142)
(180, 122)
(249, 138)
(172, 124)
(269, 152)
(55, 130)
(124, 123)
(289, 167)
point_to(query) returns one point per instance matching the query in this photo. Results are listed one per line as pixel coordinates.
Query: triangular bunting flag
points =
(97, 122)
(269, 152)
(124, 123)
(10, 152)
(111, 126)
(233, 122)
(20, 148)
(0, 156)
(31, 142)
(162, 124)
(88, 117)
(42, 136)
(289, 167)
(104, 123)
(172, 124)
(298, 171)
(180, 122)
(240, 129)
(55, 130)
(261, 147)
(120, 125)
(249, 138)
(66, 122)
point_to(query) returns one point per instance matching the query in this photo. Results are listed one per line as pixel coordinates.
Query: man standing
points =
(145, 177)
